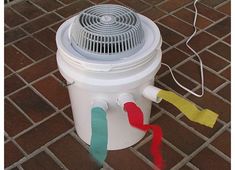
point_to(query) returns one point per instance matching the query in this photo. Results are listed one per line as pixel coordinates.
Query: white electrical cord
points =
(200, 61)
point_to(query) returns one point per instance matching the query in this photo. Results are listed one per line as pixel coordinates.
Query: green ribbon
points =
(99, 137)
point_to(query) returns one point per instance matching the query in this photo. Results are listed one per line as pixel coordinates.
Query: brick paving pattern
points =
(39, 132)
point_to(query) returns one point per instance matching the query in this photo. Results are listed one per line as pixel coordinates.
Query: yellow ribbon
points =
(205, 117)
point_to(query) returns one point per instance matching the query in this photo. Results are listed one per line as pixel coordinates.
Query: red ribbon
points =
(136, 119)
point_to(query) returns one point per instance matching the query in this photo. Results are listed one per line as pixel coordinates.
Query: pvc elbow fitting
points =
(150, 92)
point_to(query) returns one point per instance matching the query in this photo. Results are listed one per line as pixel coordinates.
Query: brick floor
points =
(39, 131)
(41, 161)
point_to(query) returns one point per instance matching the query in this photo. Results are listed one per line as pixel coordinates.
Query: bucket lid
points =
(107, 32)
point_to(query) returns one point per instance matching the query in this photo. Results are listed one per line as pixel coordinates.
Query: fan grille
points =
(107, 32)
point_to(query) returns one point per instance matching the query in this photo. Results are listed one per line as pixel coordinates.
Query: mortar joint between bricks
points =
(16, 106)
(218, 152)
(56, 159)
(172, 146)
(142, 157)
(42, 148)
(17, 72)
(203, 146)
(221, 4)
(31, 59)
(10, 3)
(39, 7)
(189, 164)
(221, 87)
(212, 93)
(19, 13)
(191, 129)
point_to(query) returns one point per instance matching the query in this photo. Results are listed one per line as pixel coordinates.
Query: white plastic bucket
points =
(105, 81)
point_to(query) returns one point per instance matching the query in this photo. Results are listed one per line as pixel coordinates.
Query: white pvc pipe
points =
(100, 103)
(150, 92)
(124, 98)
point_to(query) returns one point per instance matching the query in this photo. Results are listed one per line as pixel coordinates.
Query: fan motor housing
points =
(104, 51)
(107, 32)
